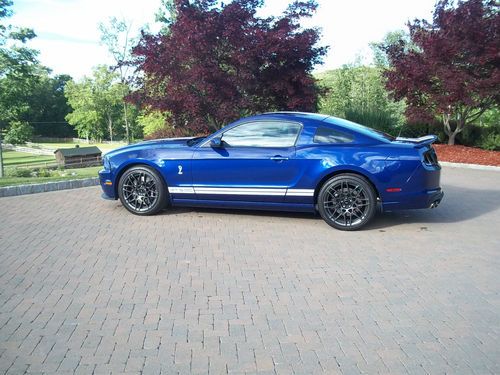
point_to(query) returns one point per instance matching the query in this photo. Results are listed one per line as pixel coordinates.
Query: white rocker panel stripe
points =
(181, 190)
(300, 193)
(241, 191)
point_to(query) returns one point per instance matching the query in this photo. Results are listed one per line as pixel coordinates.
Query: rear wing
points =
(419, 142)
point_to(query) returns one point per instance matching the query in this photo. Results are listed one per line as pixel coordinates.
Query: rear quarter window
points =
(326, 135)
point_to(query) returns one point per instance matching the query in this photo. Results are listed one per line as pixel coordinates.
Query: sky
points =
(68, 35)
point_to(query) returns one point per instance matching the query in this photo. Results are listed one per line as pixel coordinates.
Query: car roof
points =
(328, 120)
(294, 115)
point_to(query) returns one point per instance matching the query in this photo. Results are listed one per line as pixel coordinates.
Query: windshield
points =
(195, 141)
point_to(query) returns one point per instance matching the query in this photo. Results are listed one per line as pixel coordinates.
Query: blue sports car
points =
(279, 161)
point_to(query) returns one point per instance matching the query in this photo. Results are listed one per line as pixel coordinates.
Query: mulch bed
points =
(469, 155)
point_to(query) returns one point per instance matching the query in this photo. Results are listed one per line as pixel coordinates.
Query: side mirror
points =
(216, 142)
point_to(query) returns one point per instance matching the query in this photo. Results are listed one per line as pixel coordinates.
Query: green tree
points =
(27, 90)
(358, 93)
(96, 103)
(379, 49)
(152, 121)
(116, 37)
(19, 68)
(166, 15)
(49, 107)
(453, 72)
(19, 132)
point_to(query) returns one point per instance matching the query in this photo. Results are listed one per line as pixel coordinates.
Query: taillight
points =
(430, 157)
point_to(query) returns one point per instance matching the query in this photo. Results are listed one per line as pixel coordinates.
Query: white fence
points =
(70, 140)
(29, 150)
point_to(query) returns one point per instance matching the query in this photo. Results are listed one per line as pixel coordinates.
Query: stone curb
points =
(469, 166)
(10, 191)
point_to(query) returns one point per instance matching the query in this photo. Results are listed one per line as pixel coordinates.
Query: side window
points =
(262, 134)
(329, 135)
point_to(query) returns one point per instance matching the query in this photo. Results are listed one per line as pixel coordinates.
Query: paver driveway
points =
(87, 287)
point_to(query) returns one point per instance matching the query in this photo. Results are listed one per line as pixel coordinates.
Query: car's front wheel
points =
(142, 191)
(347, 202)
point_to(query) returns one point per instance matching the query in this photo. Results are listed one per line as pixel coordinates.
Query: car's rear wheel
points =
(142, 191)
(347, 202)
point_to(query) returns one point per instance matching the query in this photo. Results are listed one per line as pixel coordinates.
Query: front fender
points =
(121, 168)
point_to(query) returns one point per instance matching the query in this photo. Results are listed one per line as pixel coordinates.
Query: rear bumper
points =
(436, 198)
(424, 199)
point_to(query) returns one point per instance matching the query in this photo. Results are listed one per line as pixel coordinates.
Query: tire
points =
(347, 202)
(142, 191)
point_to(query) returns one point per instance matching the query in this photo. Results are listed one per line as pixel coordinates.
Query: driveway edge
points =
(470, 166)
(10, 191)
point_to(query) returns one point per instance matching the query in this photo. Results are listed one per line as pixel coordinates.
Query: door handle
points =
(278, 158)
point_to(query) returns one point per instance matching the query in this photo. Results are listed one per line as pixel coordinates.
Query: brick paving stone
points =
(88, 288)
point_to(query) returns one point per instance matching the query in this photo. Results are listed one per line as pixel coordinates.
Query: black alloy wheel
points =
(142, 191)
(347, 202)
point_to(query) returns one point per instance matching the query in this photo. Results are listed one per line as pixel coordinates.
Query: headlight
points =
(106, 163)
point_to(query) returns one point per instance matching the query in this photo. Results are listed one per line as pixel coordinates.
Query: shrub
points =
(478, 135)
(491, 142)
(19, 132)
(43, 172)
(19, 172)
(472, 135)
(379, 120)
(415, 130)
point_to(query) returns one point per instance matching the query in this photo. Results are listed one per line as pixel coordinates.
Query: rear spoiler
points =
(419, 142)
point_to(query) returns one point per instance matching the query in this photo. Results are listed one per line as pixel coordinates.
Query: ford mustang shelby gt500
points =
(280, 161)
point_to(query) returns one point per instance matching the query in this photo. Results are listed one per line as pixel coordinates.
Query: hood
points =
(163, 143)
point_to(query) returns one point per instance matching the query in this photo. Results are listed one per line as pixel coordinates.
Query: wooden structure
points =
(78, 157)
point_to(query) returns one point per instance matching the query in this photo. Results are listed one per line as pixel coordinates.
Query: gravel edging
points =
(10, 191)
(469, 166)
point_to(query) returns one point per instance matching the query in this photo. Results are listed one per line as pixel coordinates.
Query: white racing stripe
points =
(300, 193)
(242, 191)
(181, 190)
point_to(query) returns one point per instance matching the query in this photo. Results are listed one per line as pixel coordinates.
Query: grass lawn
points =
(15, 158)
(67, 174)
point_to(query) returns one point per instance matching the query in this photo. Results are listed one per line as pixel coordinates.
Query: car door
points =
(255, 161)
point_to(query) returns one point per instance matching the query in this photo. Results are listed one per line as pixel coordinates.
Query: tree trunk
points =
(452, 134)
(451, 138)
(447, 129)
(1, 159)
(110, 124)
(125, 118)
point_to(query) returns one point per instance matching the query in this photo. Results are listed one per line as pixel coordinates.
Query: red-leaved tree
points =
(450, 68)
(216, 63)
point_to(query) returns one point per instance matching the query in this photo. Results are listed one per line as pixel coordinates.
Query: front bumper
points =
(107, 184)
